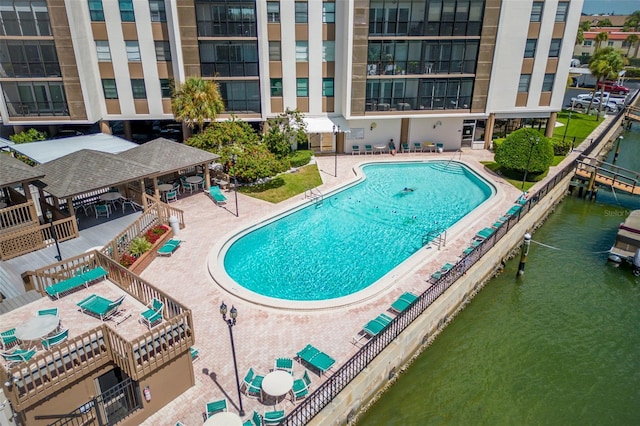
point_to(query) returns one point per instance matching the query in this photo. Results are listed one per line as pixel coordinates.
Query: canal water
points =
(558, 346)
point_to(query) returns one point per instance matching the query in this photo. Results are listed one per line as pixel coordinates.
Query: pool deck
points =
(263, 334)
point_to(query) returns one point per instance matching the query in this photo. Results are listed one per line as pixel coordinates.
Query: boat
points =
(627, 245)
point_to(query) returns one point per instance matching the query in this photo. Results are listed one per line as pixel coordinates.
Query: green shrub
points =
(300, 158)
(256, 162)
(138, 246)
(633, 73)
(519, 150)
(561, 148)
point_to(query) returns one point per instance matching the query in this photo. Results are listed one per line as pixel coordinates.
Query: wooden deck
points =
(606, 180)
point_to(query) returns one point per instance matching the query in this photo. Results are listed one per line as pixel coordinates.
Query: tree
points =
(632, 22)
(632, 40)
(286, 128)
(579, 37)
(31, 135)
(585, 25)
(196, 101)
(525, 149)
(600, 38)
(606, 22)
(605, 64)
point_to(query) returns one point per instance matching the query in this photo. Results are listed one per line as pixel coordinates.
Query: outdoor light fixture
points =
(335, 151)
(231, 321)
(53, 234)
(438, 123)
(234, 159)
(373, 126)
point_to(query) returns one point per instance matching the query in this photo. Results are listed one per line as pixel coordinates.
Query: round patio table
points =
(225, 418)
(110, 196)
(165, 187)
(194, 179)
(37, 327)
(277, 384)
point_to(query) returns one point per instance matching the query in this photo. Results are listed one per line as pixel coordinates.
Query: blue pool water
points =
(358, 234)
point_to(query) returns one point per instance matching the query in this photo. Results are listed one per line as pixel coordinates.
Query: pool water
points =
(356, 235)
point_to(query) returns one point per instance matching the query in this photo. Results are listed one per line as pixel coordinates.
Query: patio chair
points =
(316, 358)
(284, 364)
(102, 210)
(52, 311)
(195, 354)
(273, 417)
(485, 233)
(404, 147)
(417, 147)
(170, 196)
(216, 407)
(375, 326)
(301, 386)
(217, 196)
(153, 315)
(18, 355)
(439, 147)
(55, 339)
(403, 302)
(186, 186)
(8, 338)
(255, 420)
(100, 307)
(169, 247)
(252, 383)
(355, 149)
(368, 149)
(514, 210)
(129, 202)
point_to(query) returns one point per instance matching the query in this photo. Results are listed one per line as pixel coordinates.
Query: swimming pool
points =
(356, 235)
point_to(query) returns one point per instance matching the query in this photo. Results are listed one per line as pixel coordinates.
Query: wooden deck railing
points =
(18, 216)
(79, 356)
(164, 211)
(36, 237)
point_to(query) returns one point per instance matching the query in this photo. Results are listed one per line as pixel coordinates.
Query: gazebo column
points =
(72, 214)
(143, 195)
(207, 176)
(156, 191)
(27, 190)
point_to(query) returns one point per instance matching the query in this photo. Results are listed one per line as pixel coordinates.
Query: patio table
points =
(110, 196)
(194, 179)
(380, 148)
(37, 327)
(277, 384)
(165, 187)
(225, 418)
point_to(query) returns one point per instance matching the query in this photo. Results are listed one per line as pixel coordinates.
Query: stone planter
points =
(145, 260)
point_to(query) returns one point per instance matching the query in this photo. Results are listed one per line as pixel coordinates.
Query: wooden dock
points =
(607, 174)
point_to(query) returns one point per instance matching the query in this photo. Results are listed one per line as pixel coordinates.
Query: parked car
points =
(584, 103)
(613, 87)
(606, 97)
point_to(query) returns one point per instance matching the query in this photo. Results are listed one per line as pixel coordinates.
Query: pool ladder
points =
(437, 236)
(316, 196)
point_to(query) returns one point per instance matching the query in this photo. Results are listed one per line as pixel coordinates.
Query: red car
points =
(613, 87)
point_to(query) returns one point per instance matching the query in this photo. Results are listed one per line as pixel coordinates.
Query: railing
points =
(163, 210)
(627, 179)
(36, 237)
(328, 390)
(18, 216)
(50, 371)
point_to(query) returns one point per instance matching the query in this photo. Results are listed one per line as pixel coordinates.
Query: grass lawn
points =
(580, 126)
(494, 167)
(286, 185)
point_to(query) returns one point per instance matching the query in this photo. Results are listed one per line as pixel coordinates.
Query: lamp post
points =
(335, 151)
(231, 322)
(53, 234)
(234, 158)
(534, 142)
(568, 121)
(615, 156)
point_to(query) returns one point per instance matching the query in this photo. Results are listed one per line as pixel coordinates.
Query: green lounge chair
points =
(375, 326)
(100, 307)
(216, 407)
(273, 417)
(468, 251)
(403, 302)
(52, 311)
(514, 210)
(8, 338)
(285, 364)
(217, 196)
(252, 383)
(18, 355)
(485, 233)
(301, 386)
(446, 267)
(153, 315)
(316, 358)
(169, 247)
(56, 339)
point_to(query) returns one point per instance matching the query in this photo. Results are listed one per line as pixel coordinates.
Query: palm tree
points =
(196, 101)
(632, 40)
(601, 37)
(579, 37)
(605, 64)
(632, 21)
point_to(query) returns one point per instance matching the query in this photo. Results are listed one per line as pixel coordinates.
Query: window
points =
(328, 51)
(328, 12)
(126, 10)
(274, 51)
(302, 87)
(133, 51)
(588, 43)
(137, 86)
(327, 87)
(221, 18)
(241, 96)
(419, 93)
(276, 87)
(35, 98)
(228, 58)
(561, 12)
(158, 13)
(273, 11)
(95, 10)
(165, 87)
(24, 18)
(109, 88)
(530, 48)
(547, 82)
(104, 54)
(301, 12)
(536, 11)
(28, 59)
(302, 51)
(163, 51)
(610, 43)
(554, 48)
(523, 85)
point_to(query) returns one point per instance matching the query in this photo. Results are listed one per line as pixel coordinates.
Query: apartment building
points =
(451, 72)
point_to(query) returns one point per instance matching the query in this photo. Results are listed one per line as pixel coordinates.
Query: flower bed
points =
(156, 236)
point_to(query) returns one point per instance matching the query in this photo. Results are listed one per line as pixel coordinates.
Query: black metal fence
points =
(325, 392)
